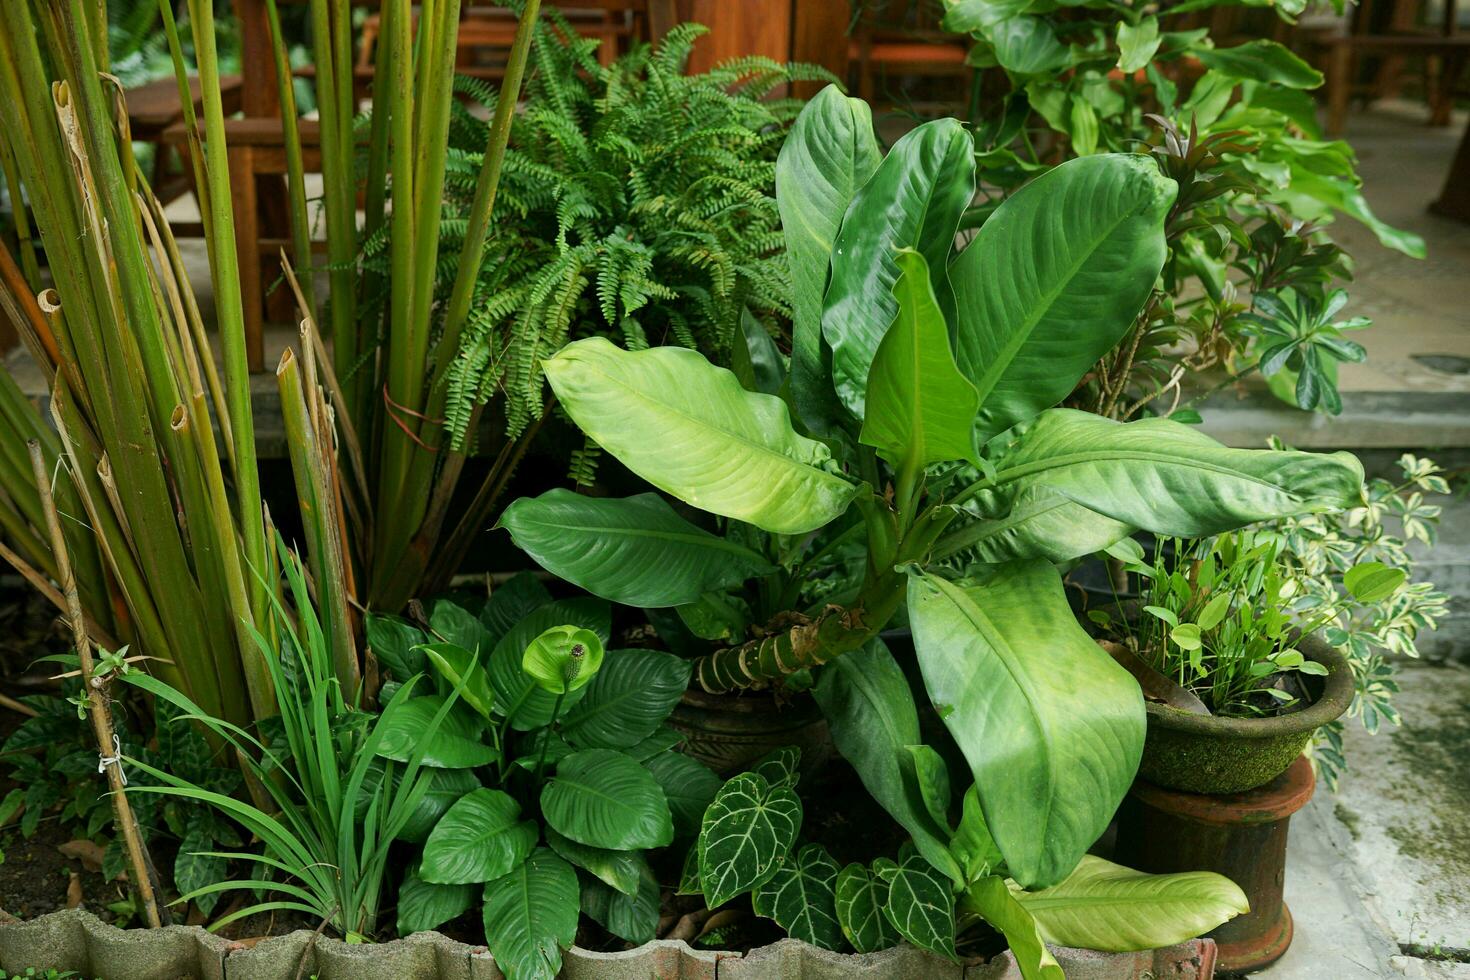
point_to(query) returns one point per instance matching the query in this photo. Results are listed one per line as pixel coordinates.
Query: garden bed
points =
(79, 941)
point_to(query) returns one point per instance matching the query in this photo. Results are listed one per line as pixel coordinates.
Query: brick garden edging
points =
(77, 940)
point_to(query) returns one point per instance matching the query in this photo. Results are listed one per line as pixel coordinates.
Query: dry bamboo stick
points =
(96, 689)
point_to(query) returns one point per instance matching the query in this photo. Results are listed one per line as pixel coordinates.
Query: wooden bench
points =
(257, 148)
(1452, 48)
(153, 108)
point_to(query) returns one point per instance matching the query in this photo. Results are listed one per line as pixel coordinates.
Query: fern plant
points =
(637, 202)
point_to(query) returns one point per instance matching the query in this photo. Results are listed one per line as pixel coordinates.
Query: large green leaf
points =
(748, 829)
(689, 785)
(920, 408)
(481, 837)
(619, 869)
(830, 152)
(1052, 727)
(445, 788)
(1036, 522)
(972, 845)
(992, 899)
(394, 641)
(628, 699)
(690, 429)
(1261, 61)
(920, 903)
(1027, 45)
(606, 799)
(517, 695)
(424, 905)
(1054, 278)
(531, 916)
(634, 917)
(870, 710)
(1116, 909)
(1168, 478)
(636, 550)
(462, 669)
(455, 745)
(450, 622)
(801, 897)
(522, 595)
(913, 200)
(859, 899)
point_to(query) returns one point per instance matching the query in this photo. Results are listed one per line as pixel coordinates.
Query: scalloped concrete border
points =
(77, 940)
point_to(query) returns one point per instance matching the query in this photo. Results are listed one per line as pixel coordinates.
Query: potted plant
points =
(1225, 646)
(911, 455)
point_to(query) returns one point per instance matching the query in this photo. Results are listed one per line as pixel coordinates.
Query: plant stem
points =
(96, 691)
(541, 756)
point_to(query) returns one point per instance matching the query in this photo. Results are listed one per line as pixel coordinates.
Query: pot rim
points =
(1336, 696)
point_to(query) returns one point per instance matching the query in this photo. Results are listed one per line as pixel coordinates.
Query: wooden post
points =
(96, 692)
(819, 36)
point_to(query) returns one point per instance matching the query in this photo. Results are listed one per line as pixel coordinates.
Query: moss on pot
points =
(1212, 754)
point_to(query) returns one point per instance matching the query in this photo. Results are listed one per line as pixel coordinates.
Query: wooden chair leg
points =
(1339, 85)
(247, 237)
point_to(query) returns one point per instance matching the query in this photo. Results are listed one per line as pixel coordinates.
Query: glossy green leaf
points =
(913, 200)
(511, 602)
(531, 916)
(1106, 906)
(745, 833)
(394, 642)
(920, 903)
(482, 836)
(518, 696)
(870, 710)
(933, 778)
(801, 897)
(755, 358)
(972, 845)
(688, 784)
(662, 739)
(1052, 727)
(423, 905)
(1027, 45)
(628, 699)
(606, 799)
(449, 622)
(445, 788)
(991, 898)
(829, 153)
(635, 550)
(619, 869)
(1372, 581)
(634, 917)
(563, 659)
(1054, 279)
(780, 767)
(690, 429)
(455, 745)
(462, 670)
(920, 408)
(859, 899)
(1261, 61)
(1137, 43)
(1169, 478)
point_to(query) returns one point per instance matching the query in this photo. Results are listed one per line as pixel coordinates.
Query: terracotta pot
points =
(729, 732)
(1241, 836)
(1210, 754)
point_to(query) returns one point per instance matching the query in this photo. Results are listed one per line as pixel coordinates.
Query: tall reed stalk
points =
(394, 340)
(153, 451)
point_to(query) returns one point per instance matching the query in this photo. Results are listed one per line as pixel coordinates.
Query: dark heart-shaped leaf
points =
(859, 898)
(800, 897)
(746, 831)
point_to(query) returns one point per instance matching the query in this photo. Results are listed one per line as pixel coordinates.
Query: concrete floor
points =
(1378, 873)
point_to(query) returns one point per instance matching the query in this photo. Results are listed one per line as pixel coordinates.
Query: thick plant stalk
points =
(295, 168)
(96, 689)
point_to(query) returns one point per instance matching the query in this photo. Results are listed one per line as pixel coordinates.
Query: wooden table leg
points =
(247, 235)
(1339, 85)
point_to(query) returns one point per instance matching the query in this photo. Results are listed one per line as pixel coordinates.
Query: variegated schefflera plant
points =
(916, 418)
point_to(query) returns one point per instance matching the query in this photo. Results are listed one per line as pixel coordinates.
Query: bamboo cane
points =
(97, 709)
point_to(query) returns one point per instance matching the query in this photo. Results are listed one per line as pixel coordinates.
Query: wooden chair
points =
(256, 148)
(915, 47)
(152, 109)
(1391, 37)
